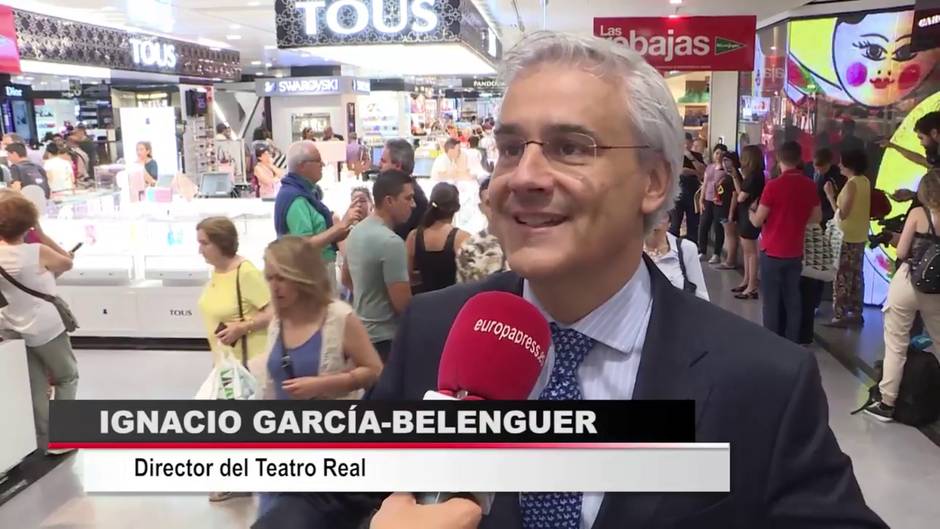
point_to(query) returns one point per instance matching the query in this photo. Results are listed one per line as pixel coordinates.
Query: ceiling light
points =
(256, 63)
(279, 75)
(233, 37)
(235, 26)
(268, 65)
(270, 47)
(675, 2)
(254, 4)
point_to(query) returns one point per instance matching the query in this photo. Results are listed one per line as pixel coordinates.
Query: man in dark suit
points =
(590, 149)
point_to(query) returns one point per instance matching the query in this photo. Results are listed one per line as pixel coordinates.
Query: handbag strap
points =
(687, 285)
(46, 297)
(241, 311)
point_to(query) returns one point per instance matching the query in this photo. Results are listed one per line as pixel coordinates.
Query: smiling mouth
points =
(882, 82)
(540, 220)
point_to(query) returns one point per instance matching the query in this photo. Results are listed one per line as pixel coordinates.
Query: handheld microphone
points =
(495, 350)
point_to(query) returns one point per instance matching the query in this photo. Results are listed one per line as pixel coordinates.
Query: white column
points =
(723, 109)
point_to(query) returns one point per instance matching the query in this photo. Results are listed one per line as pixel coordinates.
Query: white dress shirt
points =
(609, 370)
(668, 264)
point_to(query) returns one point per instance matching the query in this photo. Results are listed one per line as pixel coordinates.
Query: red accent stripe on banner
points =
(376, 446)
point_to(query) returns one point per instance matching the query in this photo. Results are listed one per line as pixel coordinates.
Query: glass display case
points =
(139, 272)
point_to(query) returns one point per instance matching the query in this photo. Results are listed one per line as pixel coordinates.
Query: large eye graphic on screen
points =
(873, 58)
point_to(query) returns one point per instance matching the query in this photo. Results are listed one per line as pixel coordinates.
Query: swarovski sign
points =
(316, 86)
(349, 17)
(149, 52)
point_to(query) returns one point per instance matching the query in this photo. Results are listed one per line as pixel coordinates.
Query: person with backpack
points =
(914, 287)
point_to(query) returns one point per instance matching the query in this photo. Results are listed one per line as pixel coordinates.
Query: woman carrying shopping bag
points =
(235, 303)
(236, 308)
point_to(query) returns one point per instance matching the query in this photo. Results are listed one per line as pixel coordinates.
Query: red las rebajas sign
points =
(9, 49)
(686, 43)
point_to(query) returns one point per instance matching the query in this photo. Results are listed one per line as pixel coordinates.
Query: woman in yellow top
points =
(853, 211)
(219, 303)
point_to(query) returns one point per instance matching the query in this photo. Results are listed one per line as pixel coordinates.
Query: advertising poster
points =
(864, 68)
(9, 49)
(686, 43)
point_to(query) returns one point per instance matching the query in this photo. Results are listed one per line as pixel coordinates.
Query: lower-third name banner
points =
(675, 467)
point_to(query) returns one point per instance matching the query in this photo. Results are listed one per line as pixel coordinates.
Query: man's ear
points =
(658, 185)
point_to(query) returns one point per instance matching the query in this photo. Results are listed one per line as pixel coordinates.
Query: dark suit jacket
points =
(751, 388)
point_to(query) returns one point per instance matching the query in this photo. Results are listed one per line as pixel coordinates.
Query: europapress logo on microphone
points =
(504, 331)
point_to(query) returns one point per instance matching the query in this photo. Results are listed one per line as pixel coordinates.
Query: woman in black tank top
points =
(436, 269)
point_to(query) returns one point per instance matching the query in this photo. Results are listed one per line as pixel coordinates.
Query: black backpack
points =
(925, 266)
(918, 401)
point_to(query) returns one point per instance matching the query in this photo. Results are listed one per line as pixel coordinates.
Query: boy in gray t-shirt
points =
(376, 266)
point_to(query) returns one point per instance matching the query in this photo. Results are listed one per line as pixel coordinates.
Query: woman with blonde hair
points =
(904, 301)
(317, 347)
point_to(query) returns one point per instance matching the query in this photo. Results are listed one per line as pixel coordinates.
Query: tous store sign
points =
(349, 17)
(322, 23)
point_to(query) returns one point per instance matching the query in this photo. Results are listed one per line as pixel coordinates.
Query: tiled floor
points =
(898, 468)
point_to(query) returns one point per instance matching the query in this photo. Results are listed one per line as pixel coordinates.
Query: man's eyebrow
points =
(555, 128)
(507, 129)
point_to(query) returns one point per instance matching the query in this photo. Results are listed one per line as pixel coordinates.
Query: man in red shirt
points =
(788, 204)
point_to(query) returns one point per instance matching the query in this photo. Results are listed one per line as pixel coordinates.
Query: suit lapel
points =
(670, 349)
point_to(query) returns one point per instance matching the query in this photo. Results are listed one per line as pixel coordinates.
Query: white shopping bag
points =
(228, 380)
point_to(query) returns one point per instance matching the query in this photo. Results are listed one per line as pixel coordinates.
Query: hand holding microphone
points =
(401, 511)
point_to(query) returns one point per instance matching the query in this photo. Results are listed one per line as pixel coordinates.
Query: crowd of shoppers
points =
(590, 278)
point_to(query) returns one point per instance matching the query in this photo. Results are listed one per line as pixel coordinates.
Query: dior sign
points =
(415, 15)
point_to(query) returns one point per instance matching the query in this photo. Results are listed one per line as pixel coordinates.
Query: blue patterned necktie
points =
(559, 510)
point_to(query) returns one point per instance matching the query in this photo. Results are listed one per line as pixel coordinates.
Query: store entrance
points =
(692, 93)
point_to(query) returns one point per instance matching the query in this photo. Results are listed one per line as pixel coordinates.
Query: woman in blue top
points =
(145, 158)
(317, 346)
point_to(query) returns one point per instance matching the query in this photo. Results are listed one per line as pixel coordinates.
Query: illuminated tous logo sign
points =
(419, 13)
(152, 53)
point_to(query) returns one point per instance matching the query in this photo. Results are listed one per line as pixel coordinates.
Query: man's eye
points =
(511, 149)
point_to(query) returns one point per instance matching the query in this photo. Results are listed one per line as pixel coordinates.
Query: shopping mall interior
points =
(156, 153)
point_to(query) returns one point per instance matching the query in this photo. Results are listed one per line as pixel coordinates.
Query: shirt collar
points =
(618, 321)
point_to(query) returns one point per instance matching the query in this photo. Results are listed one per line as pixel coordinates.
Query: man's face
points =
(929, 141)
(13, 157)
(400, 205)
(554, 218)
(312, 169)
(386, 163)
